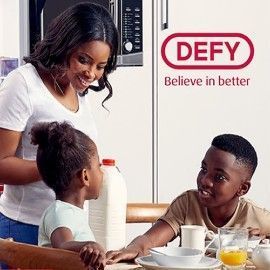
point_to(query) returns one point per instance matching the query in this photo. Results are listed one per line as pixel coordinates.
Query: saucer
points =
(205, 263)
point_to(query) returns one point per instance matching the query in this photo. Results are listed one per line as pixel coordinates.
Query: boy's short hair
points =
(239, 147)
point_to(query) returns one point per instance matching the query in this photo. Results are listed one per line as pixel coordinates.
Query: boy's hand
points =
(93, 256)
(125, 254)
(255, 232)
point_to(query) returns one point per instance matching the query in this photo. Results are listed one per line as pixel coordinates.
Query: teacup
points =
(261, 256)
(193, 236)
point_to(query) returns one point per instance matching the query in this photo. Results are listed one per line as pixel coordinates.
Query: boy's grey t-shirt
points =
(187, 210)
(62, 214)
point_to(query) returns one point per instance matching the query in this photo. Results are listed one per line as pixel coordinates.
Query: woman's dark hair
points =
(62, 152)
(78, 24)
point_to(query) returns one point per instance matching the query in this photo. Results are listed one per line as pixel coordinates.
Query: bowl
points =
(253, 241)
(176, 256)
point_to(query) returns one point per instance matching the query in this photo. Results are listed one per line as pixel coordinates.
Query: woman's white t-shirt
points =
(62, 214)
(25, 101)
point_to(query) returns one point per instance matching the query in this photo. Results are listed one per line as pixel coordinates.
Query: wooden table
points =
(132, 266)
(124, 266)
(26, 256)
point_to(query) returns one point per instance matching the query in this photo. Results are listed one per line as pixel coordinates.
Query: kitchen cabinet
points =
(125, 131)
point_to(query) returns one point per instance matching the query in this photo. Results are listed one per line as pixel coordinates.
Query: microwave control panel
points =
(132, 27)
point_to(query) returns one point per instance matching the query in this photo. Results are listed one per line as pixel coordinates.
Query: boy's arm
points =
(158, 235)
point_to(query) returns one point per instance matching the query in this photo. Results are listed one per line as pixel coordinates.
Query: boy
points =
(225, 175)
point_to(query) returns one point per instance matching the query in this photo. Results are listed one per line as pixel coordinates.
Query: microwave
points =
(127, 15)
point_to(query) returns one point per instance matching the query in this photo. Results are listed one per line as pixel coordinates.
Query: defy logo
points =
(207, 51)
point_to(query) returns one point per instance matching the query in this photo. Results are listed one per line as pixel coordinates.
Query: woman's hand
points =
(93, 256)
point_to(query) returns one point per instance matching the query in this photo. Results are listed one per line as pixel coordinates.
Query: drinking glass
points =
(233, 247)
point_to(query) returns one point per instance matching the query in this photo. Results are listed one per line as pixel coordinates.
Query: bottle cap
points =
(108, 162)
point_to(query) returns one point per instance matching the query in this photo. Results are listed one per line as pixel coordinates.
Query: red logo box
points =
(207, 51)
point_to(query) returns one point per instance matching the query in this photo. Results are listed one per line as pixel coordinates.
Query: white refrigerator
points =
(189, 117)
(159, 132)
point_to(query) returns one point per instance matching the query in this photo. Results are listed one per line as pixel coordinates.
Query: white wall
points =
(9, 28)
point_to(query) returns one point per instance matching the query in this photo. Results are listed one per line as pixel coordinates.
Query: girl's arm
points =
(91, 253)
(13, 170)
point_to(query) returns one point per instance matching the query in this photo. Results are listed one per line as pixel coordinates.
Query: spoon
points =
(208, 245)
(158, 252)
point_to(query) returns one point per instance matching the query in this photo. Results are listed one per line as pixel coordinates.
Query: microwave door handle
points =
(164, 15)
(114, 11)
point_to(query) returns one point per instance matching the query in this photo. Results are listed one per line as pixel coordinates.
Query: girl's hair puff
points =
(62, 152)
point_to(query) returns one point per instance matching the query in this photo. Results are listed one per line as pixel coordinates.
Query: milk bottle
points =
(107, 217)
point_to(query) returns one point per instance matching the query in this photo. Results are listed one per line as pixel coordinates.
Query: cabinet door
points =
(125, 132)
(189, 117)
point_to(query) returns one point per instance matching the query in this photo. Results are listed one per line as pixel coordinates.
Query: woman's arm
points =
(13, 170)
(159, 235)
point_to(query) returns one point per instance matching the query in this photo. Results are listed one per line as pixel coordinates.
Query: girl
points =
(69, 164)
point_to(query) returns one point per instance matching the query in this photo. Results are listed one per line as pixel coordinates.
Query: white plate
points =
(206, 263)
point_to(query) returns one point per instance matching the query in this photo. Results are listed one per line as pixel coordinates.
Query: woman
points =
(80, 47)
